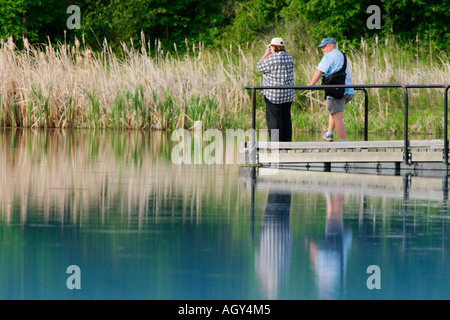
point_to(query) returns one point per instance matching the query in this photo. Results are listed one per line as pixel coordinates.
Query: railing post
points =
(253, 143)
(446, 124)
(406, 153)
(366, 114)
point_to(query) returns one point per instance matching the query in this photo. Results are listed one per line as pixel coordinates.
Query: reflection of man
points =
(330, 256)
(274, 255)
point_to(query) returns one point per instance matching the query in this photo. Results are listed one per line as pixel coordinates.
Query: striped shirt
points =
(277, 70)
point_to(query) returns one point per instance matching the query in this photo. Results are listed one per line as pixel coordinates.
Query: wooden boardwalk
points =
(390, 154)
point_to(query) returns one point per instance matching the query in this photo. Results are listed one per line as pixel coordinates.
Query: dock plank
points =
(331, 157)
(426, 156)
(434, 144)
(379, 156)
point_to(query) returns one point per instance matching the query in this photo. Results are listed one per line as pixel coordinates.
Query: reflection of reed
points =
(273, 258)
(80, 176)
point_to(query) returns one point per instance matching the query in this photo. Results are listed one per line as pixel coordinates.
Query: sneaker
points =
(328, 137)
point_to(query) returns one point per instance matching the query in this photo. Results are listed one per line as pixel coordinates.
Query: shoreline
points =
(65, 86)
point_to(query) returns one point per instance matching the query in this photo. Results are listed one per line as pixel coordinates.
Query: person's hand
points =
(266, 53)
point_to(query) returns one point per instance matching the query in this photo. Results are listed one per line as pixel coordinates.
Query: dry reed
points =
(69, 86)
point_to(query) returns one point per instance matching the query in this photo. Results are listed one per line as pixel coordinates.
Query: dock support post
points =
(397, 168)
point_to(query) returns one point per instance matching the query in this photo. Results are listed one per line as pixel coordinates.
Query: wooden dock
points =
(390, 154)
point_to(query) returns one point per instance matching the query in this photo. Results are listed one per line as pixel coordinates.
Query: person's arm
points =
(267, 53)
(262, 65)
(316, 77)
(322, 68)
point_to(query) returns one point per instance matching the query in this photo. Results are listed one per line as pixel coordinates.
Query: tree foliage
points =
(253, 19)
(167, 20)
(35, 20)
(346, 19)
(217, 22)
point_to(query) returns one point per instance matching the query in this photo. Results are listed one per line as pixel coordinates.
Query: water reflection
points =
(273, 258)
(88, 177)
(395, 222)
(141, 227)
(329, 256)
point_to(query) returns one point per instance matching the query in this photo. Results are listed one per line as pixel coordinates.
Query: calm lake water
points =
(139, 226)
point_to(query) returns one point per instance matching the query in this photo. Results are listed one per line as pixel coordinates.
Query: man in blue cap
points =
(333, 61)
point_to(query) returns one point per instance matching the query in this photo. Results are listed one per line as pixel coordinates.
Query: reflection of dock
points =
(413, 187)
(329, 255)
(420, 154)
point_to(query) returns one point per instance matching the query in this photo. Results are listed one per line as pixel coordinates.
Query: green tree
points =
(346, 19)
(254, 18)
(168, 20)
(429, 19)
(35, 20)
(217, 22)
(343, 19)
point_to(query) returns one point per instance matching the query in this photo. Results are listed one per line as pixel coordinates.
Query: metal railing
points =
(406, 153)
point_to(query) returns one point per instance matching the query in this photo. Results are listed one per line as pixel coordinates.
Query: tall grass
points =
(65, 86)
(69, 86)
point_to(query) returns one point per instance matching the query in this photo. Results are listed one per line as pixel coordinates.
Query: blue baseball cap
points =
(325, 41)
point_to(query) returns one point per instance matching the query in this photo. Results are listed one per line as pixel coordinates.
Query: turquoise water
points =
(139, 226)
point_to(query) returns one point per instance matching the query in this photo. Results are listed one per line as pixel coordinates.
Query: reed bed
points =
(66, 86)
(70, 86)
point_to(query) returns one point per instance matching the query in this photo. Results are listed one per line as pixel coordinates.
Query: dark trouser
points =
(278, 116)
